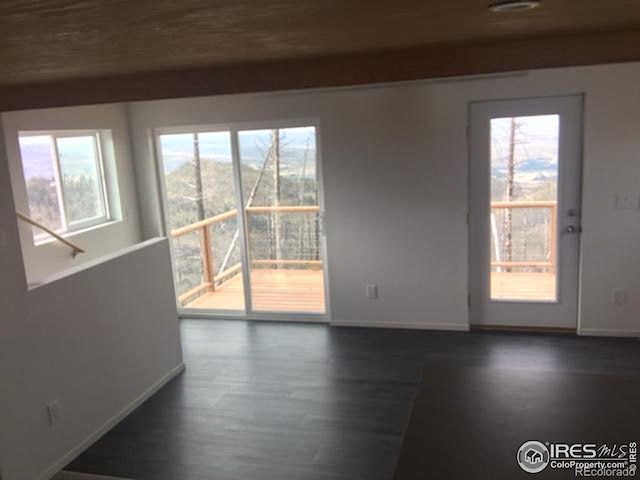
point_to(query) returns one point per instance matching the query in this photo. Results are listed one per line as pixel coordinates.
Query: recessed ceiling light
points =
(514, 5)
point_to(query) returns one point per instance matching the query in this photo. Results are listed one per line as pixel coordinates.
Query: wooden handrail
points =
(192, 227)
(75, 250)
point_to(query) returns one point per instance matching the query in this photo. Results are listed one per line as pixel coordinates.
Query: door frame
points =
(233, 128)
(479, 271)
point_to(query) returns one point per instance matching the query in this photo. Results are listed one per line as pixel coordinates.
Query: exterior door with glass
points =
(524, 217)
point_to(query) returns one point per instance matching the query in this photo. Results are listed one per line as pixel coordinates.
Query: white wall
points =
(96, 340)
(612, 166)
(395, 171)
(381, 219)
(48, 258)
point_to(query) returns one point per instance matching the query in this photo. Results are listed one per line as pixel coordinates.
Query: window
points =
(64, 177)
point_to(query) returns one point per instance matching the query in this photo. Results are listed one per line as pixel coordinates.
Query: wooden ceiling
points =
(43, 41)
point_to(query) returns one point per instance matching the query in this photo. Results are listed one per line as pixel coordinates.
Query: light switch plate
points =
(618, 296)
(628, 201)
(53, 412)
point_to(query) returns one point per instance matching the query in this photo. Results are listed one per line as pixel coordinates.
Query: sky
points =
(537, 137)
(77, 156)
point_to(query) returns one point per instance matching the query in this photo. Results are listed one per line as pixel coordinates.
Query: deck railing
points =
(211, 279)
(553, 220)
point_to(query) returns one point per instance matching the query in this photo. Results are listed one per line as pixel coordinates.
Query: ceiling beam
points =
(345, 70)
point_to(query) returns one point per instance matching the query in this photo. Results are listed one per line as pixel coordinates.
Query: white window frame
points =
(69, 228)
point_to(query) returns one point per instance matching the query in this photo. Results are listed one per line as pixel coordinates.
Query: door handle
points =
(574, 229)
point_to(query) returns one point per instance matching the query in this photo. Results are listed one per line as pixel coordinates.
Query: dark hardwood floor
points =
(496, 411)
(310, 402)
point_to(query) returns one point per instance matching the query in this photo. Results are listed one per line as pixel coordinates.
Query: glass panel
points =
(188, 262)
(280, 190)
(199, 182)
(524, 195)
(39, 169)
(81, 179)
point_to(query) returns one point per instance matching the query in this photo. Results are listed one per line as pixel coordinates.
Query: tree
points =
(508, 214)
(248, 202)
(276, 224)
(514, 136)
(197, 169)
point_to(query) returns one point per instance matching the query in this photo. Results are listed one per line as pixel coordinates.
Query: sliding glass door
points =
(202, 219)
(280, 192)
(242, 209)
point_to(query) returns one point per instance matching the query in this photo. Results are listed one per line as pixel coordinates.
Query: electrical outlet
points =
(53, 412)
(371, 292)
(618, 296)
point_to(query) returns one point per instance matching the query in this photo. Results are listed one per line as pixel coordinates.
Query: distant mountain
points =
(546, 165)
(538, 164)
(37, 161)
(295, 143)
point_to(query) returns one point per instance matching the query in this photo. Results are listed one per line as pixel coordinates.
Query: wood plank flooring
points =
(291, 401)
(285, 290)
(549, 406)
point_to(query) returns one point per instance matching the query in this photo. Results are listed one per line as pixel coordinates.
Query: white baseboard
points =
(598, 332)
(403, 325)
(82, 476)
(112, 422)
(285, 317)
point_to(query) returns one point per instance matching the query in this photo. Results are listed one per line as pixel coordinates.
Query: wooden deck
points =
(303, 290)
(523, 286)
(272, 291)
